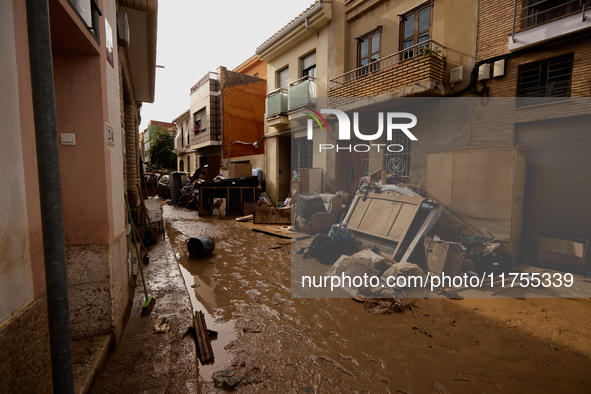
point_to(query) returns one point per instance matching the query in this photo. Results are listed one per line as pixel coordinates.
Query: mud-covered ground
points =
(273, 343)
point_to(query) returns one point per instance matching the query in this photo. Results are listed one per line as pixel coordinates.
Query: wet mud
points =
(271, 342)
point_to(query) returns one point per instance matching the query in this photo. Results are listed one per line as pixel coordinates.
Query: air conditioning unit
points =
(456, 75)
(122, 28)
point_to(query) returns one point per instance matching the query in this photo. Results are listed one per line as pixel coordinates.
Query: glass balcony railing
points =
(302, 93)
(277, 103)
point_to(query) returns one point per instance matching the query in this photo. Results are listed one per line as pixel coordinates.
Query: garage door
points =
(558, 179)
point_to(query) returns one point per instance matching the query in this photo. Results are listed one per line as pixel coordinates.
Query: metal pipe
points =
(54, 247)
(514, 17)
(308, 28)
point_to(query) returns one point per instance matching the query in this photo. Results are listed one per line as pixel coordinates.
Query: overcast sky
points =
(197, 36)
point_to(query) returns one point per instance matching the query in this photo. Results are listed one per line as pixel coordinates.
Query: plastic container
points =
(200, 246)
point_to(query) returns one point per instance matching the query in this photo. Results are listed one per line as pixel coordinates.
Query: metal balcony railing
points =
(301, 92)
(530, 13)
(276, 103)
(89, 12)
(421, 49)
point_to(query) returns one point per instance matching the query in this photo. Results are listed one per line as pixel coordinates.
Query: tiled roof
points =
(289, 24)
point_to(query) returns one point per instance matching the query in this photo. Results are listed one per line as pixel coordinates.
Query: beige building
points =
(297, 73)
(362, 48)
(395, 49)
(182, 144)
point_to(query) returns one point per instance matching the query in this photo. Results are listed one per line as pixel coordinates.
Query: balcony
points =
(302, 93)
(277, 109)
(404, 69)
(538, 21)
(205, 138)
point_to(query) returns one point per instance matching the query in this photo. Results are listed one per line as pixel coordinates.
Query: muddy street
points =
(273, 343)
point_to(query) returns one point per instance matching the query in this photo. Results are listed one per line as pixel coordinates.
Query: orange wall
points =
(243, 112)
(256, 66)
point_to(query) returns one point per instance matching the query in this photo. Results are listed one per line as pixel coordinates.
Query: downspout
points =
(52, 220)
(308, 28)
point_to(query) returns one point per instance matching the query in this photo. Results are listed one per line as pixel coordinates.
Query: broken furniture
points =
(388, 216)
(234, 191)
(316, 213)
(481, 187)
(443, 256)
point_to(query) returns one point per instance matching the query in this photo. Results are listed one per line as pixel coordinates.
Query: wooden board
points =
(203, 342)
(271, 229)
(482, 184)
(384, 215)
(439, 176)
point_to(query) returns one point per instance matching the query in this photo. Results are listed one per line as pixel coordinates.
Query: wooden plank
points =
(439, 176)
(380, 216)
(271, 230)
(431, 218)
(244, 218)
(203, 341)
(403, 222)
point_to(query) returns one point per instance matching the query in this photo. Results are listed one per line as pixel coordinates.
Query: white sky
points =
(197, 36)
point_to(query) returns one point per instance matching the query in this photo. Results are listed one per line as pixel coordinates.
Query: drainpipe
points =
(52, 220)
(308, 28)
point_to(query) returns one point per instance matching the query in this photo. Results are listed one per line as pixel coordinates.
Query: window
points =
(540, 11)
(199, 123)
(309, 65)
(415, 28)
(189, 164)
(368, 49)
(283, 78)
(548, 78)
(302, 157)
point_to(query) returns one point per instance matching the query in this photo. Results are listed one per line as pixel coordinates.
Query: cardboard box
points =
(571, 253)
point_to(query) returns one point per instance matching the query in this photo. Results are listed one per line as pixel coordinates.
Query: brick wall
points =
(421, 68)
(493, 118)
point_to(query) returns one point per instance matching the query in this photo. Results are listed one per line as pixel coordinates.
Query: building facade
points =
(533, 66)
(297, 74)
(224, 123)
(100, 78)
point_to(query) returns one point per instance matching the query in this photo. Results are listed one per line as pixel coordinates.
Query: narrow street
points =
(269, 342)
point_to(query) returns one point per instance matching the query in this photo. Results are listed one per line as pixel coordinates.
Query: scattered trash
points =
(162, 325)
(225, 379)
